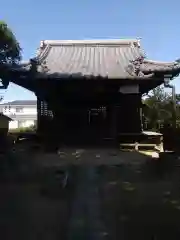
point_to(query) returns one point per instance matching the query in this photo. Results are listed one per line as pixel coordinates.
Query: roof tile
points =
(91, 58)
(21, 103)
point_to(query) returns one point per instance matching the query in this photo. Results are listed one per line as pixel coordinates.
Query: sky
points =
(157, 23)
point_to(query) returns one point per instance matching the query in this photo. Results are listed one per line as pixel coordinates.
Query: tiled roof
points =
(21, 103)
(6, 117)
(150, 66)
(105, 58)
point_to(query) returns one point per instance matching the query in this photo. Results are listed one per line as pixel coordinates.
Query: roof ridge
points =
(163, 63)
(45, 45)
(91, 41)
(18, 101)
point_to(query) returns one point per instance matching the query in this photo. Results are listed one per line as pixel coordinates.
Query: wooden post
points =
(129, 119)
(38, 115)
(113, 122)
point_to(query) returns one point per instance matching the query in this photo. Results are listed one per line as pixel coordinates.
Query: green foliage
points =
(24, 129)
(160, 108)
(10, 51)
(27, 129)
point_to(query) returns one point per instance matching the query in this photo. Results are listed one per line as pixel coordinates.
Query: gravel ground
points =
(110, 195)
(142, 201)
(33, 204)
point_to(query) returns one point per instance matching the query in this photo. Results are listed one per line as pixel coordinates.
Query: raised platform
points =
(142, 141)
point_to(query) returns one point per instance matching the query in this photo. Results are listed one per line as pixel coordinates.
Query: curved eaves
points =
(154, 66)
(43, 53)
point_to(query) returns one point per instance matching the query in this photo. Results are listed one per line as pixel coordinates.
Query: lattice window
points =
(44, 110)
(95, 111)
(101, 110)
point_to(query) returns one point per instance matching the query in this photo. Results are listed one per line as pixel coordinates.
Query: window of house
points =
(21, 124)
(7, 109)
(19, 110)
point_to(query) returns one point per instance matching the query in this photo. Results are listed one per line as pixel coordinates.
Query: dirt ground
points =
(139, 198)
(141, 201)
(33, 204)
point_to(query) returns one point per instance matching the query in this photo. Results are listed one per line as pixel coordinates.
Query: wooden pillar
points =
(38, 115)
(129, 115)
(111, 122)
(58, 121)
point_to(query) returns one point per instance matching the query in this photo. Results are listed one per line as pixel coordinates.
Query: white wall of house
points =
(25, 123)
(20, 110)
(21, 124)
(22, 115)
(13, 124)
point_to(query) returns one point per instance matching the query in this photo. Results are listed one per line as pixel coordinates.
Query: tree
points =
(10, 51)
(158, 107)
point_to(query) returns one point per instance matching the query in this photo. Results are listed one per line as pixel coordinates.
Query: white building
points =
(22, 112)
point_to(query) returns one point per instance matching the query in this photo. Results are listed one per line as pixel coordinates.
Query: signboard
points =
(127, 89)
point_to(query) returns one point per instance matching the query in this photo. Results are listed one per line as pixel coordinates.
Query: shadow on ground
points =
(142, 200)
(33, 203)
(139, 197)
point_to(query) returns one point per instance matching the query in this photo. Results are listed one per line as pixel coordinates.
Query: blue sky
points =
(156, 22)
